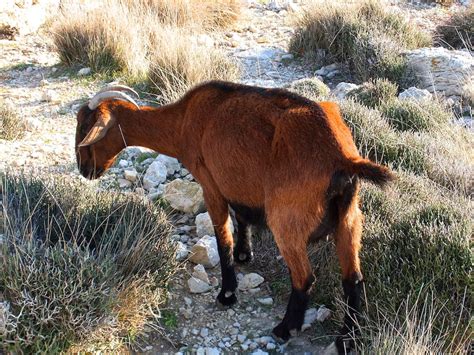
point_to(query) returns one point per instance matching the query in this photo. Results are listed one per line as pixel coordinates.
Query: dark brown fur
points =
(265, 150)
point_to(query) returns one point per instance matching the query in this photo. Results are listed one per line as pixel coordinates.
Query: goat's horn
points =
(118, 87)
(98, 98)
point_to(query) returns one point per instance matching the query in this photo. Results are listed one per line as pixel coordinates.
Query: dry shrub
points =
(363, 34)
(312, 88)
(12, 126)
(160, 41)
(81, 270)
(458, 31)
(375, 92)
(178, 61)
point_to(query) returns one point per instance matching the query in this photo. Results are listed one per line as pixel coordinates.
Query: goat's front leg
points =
(219, 213)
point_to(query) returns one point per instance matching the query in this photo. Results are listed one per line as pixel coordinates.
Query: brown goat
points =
(275, 157)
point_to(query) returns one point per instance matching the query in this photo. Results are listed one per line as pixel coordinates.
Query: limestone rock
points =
(183, 195)
(130, 175)
(198, 286)
(155, 175)
(414, 93)
(342, 89)
(204, 225)
(84, 71)
(200, 273)
(439, 70)
(250, 281)
(205, 252)
(172, 164)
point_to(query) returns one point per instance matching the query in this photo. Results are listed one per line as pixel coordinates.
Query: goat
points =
(273, 156)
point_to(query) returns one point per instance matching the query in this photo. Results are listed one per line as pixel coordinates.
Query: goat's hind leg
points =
(347, 238)
(243, 247)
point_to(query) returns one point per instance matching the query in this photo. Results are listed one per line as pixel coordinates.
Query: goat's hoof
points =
(243, 257)
(281, 333)
(226, 299)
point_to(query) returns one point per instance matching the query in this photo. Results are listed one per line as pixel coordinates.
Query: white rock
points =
(198, 286)
(123, 163)
(130, 175)
(200, 273)
(323, 314)
(181, 251)
(250, 281)
(84, 71)
(184, 196)
(450, 72)
(50, 96)
(241, 338)
(342, 89)
(172, 164)
(271, 346)
(327, 69)
(310, 315)
(204, 332)
(155, 175)
(414, 93)
(259, 352)
(123, 183)
(268, 301)
(205, 252)
(204, 225)
(212, 351)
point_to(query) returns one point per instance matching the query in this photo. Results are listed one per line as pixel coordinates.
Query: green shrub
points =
(312, 88)
(80, 269)
(414, 115)
(365, 35)
(11, 125)
(374, 92)
(458, 31)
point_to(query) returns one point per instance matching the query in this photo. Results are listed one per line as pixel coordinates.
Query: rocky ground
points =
(48, 97)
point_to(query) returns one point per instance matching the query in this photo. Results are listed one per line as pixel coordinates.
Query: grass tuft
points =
(364, 34)
(458, 31)
(375, 92)
(81, 270)
(11, 125)
(312, 88)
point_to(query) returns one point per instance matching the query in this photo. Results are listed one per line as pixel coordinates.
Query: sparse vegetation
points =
(161, 42)
(312, 88)
(375, 92)
(12, 126)
(81, 270)
(458, 31)
(363, 34)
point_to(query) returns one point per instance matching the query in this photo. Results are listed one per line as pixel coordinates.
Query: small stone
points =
(124, 183)
(84, 71)
(205, 252)
(155, 175)
(268, 301)
(172, 164)
(184, 195)
(204, 225)
(181, 251)
(271, 346)
(241, 338)
(342, 89)
(250, 281)
(287, 58)
(123, 163)
(414, 93)
(130, 175)
(204, 332)
(323, 314)
(50, 96)
(200, 273)
(198, 286)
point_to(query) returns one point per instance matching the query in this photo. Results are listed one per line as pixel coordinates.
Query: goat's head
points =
(98, 134)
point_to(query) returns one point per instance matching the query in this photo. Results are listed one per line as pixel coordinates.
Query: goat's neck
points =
(158, 129)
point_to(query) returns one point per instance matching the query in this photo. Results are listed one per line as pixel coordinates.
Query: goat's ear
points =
(99, 130)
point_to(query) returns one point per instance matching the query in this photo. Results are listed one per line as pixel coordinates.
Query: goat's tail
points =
(375, 173)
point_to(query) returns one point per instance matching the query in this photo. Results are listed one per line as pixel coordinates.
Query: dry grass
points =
(458, 31)
(12, 126)
(160, 42)
(363, 34)
(178, 62)
(81, 270)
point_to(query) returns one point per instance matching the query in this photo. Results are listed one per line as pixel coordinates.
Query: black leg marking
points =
(352, 293)
(243, 248)
(227, 295)
(294, 316)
